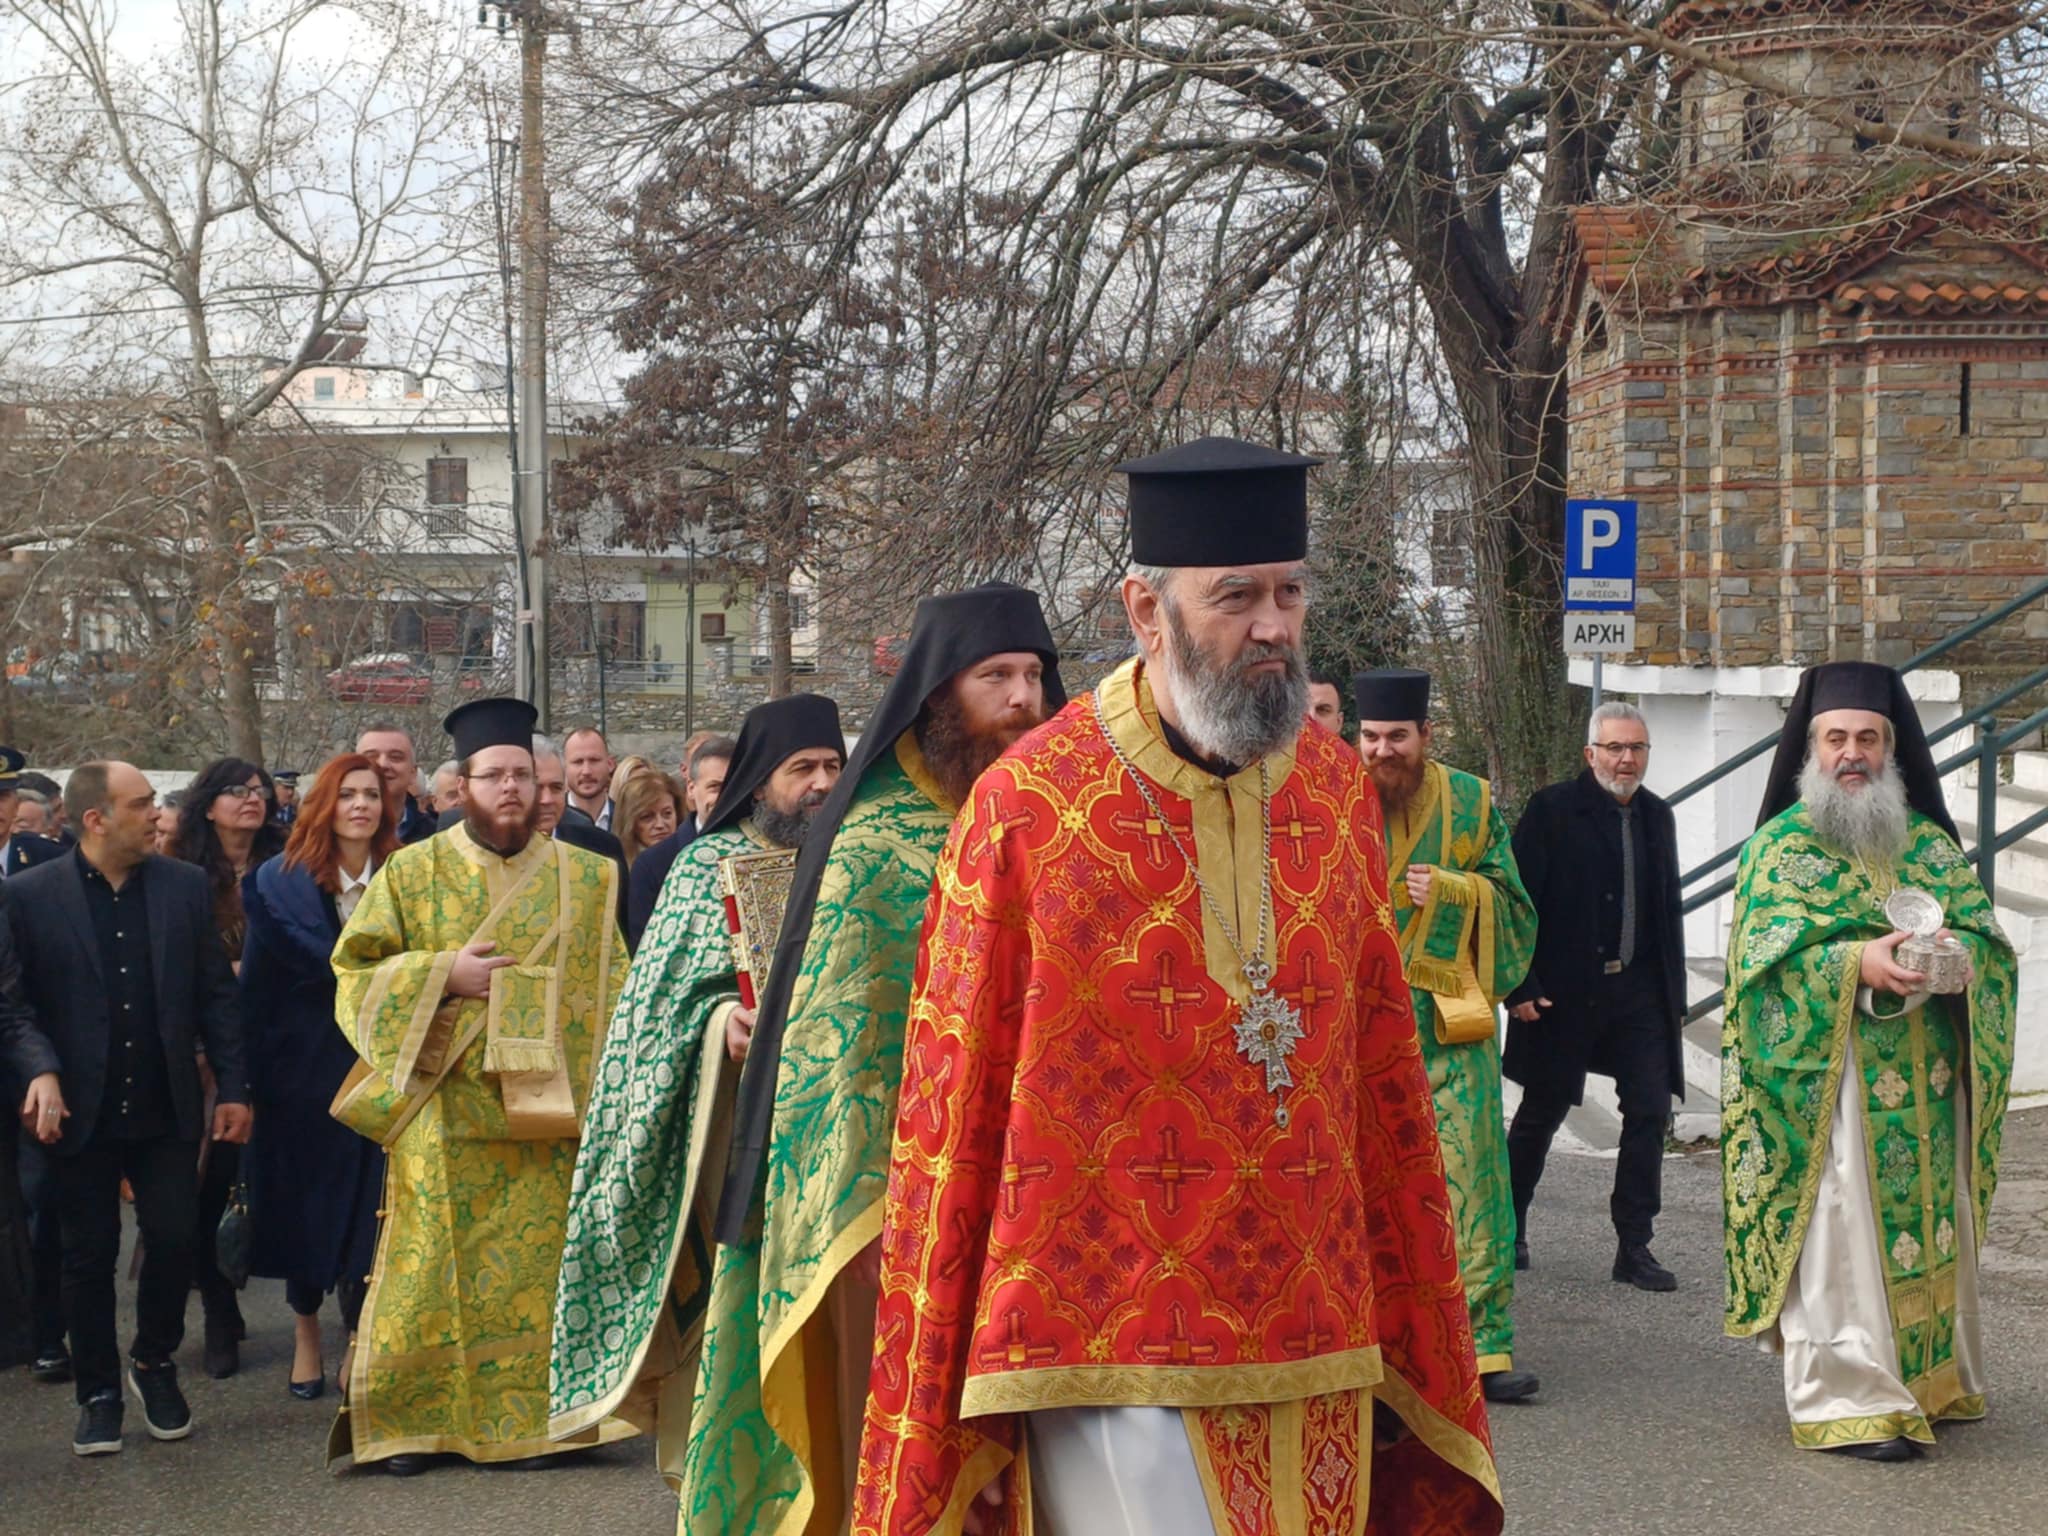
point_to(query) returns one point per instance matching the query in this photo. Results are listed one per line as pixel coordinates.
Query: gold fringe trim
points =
(1168, 1386)
(1868, 1429)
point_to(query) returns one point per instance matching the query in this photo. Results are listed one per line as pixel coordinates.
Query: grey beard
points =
(1613, 786)
(1869, 823)
(1225, 714)
(785, 829)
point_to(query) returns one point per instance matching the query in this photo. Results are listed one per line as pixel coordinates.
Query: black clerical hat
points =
(1391, 693)
(11, 764)
(490, 723)
(1218, 501)
(1853, 685)
(772, 733)
(1856, 685)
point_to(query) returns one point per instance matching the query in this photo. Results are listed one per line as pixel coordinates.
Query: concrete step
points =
(2022, 866)
(2030, 770)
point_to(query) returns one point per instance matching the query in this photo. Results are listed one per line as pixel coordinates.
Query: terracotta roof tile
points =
(1949, 300)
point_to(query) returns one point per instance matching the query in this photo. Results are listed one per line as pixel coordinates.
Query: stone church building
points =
(1818, 361)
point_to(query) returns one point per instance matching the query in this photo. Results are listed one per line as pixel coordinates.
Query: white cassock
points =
(1835, 1329)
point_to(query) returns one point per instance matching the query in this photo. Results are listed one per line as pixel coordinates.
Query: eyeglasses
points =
(491, 777)
(1625, 748)
(244, 791)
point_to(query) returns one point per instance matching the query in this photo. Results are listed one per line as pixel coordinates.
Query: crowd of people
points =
(1110, 1139)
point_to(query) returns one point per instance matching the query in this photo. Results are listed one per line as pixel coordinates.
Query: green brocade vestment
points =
(452, 1354)
(764, 1452)
(1477, 910)
(1803, 914)
(636, 1264)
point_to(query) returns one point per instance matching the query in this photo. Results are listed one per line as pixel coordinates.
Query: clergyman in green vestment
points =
(636, 1261)
(1860, 1109)
(1468, 929)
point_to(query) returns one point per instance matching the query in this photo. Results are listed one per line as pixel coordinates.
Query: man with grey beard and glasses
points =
(1165, 1217)
(1863, 1083)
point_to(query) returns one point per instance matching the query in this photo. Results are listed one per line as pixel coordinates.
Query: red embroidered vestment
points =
(1091, 1201)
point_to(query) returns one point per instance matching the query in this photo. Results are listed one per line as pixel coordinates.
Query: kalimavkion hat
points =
(1219, 501)
(491, 723)
(1391, 693)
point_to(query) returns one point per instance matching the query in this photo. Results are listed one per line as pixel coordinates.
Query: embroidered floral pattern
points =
(1939, 1077)
(1905, 1251)
(1807, 869)
(1890, 1088)
(1945, 1238)
(1767, 944)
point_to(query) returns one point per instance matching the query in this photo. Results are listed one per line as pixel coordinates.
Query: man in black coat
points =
(1606, 993)
(123, 968)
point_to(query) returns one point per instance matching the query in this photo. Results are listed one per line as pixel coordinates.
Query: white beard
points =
(1869, 823)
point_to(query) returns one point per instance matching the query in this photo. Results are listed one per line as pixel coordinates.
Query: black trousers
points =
(46, 1246)
(1634, 1041)
(163, 1172)
(349, 1292)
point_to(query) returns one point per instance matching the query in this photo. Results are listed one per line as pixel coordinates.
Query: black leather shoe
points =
(51, 1365)
(223, 1358)
(99, 1425)
(407, 1463)
(1509, 1386)
(164, 1413)
(306, 1391)
(1635, 1265)
(1900, 1449)
(1521, 1254)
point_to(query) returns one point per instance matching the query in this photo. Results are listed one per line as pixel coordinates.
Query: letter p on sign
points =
(1602, 531)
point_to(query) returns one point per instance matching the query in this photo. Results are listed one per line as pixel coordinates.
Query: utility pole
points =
(530, 472)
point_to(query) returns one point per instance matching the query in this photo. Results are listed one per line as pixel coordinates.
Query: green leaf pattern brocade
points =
(1802, 917)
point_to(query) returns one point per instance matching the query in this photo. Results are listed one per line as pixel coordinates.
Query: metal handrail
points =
(1940, 648)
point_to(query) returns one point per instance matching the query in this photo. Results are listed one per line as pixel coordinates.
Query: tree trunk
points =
(226, 536)
(781, 648)
(1514, 431)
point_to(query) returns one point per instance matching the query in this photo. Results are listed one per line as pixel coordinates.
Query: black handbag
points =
(231, 1243)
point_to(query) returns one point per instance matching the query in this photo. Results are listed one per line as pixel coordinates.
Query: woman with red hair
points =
(314, 1184)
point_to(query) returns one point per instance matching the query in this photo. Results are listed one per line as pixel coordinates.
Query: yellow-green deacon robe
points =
(479, 1103)
(1477, 910)
(1859, 1138)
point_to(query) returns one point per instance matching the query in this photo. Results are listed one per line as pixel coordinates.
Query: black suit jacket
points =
(196, 999)
(25, 1052)
(25, 851)
(1568, 847)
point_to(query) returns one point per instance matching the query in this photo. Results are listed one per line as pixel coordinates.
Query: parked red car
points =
(393, 678)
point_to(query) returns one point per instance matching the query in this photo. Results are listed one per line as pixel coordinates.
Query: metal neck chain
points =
(1255, 967)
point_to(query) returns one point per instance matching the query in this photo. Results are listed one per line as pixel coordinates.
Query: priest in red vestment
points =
(1167, 1247)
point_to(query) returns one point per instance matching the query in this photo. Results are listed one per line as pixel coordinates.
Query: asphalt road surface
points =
(1649, 1420)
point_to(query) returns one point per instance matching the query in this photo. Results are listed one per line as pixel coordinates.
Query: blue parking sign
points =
(1600, 556)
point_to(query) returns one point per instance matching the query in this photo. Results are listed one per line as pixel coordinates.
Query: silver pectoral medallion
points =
(1268, 1028)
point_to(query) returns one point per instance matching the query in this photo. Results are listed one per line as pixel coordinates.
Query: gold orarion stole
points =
(755, 887)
